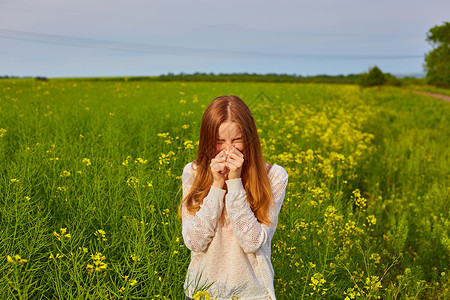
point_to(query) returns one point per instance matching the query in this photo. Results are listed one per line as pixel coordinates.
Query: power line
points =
(73, 41)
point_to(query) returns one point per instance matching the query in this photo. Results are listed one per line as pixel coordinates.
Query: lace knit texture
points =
(230, 257)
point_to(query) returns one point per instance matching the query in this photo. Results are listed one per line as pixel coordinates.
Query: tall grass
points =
(90, 178)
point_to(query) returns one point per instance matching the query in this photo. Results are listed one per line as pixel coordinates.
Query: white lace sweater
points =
(231, 257)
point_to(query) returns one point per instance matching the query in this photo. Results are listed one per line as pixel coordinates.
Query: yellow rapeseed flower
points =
(65, 173)
(86, 161)
(133, 282)
(101, 235)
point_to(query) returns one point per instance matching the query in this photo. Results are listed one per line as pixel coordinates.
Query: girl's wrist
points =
(219, 184)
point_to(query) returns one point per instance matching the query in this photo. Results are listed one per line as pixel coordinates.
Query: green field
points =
(90, 181)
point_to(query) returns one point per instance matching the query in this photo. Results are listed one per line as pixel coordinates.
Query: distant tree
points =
(373, 78)
(437, 61)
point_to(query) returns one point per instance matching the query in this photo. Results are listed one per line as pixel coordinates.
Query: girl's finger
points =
(236, 151)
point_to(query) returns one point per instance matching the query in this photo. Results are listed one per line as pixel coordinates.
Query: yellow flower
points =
(132, 182)
(164, 135)
(10, 259)
(200, 295)
(185, 126)
(16, 259)
(90, 268)
(140, 160)
(101, 235)
(86, 161)
(188, 145)
(2, 132)
(135, 258)
(371, 219)
(133, 282)
(65, 174)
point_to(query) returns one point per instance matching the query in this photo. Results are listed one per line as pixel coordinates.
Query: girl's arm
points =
(199, 229)
(249, 232)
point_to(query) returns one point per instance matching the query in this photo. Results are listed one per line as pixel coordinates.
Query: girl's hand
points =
(219, 169)
(234, 162)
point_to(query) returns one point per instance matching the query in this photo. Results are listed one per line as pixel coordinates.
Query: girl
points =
(230, 206)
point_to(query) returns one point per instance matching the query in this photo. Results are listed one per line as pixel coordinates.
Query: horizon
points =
(400, 75)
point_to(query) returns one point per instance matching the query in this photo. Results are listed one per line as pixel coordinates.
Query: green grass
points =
(366, 212)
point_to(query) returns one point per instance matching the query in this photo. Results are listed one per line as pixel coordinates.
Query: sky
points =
(87, 38)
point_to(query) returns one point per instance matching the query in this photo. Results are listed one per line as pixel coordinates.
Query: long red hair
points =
(254, 170)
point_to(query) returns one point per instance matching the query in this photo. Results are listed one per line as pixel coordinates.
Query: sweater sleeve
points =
(199, 229)
(249, 232)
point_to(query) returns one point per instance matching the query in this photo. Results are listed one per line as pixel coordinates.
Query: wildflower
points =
(165, 158)
(185, 126)
(371, 219)
(16, 259)
(132, 182)
(351, 294)
(164, 135)
(84, 249)
(140, 160)
(2, 132)
(61, 189)
(200, 295)
(10, 259)
(98, 264)
(135, 258)
(133, 282)
(90, 268)
(317, 281)
(14, 180)
(375, 257)
(359, 201)
(188, 145)
(86, 161)
(125, 163)
(62, 234)
(101, 235)
(65, 174)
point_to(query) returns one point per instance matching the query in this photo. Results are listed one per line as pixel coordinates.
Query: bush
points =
(373, 78)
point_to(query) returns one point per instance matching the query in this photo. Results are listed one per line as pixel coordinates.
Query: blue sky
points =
(61, 38)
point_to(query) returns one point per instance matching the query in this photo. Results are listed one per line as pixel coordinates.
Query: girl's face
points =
(229, 135)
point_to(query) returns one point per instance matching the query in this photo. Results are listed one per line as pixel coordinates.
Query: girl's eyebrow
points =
(238, 138)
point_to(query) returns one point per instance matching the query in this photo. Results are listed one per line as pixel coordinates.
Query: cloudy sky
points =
(62, 38)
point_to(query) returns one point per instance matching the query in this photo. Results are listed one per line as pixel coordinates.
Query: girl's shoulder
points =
(277, 172)
(188, 171)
